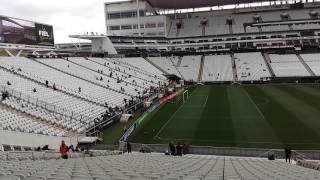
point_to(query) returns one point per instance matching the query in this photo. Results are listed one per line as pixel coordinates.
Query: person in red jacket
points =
(64, 150)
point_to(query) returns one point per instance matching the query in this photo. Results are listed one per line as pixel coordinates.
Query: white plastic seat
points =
(34, 178)
(10, 177)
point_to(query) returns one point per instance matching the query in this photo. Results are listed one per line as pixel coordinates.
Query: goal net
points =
(181, 97)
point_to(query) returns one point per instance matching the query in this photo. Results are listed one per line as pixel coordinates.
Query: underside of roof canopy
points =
(185, 4)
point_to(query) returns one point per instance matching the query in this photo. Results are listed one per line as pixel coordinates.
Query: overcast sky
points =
(66, 16)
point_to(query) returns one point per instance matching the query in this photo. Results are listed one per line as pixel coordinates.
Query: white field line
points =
(254, 104)
(205, 102)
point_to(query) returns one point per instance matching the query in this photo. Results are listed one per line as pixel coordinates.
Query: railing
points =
(107, 147)
(234, 151)
(45, 105)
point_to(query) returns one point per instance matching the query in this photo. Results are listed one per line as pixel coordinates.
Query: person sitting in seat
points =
(5, 95)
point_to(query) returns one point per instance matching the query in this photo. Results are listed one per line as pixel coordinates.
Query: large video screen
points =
(17, 31)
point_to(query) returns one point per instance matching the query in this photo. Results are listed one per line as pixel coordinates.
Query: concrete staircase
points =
(234, 68)
(180, 59)
(201, 69)
(179, 62)
(306, 65)
(43, 84)
(267, 60)
(91, 82)
(155, 65)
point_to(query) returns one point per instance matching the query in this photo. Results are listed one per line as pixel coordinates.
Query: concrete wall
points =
(103, 45)
(33, 140)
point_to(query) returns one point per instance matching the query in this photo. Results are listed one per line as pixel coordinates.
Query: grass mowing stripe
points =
(182, 126)
(282, 117)
(211, 125)
(161, 129)
(251, 129)
(310, 113)
(231, 117)
(253, 103)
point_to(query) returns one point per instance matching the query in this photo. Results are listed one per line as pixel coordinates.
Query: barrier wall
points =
(33, 140)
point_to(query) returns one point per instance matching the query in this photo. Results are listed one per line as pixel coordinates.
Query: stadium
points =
(174, 90)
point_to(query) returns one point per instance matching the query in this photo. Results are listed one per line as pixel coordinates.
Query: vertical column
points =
(106, 18)
(138, 16)
(1, 26)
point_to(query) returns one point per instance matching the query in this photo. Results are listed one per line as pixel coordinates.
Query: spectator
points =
(71, 147)
(64, 150)
(172, 148)
(45, 148)
(5, 95)
(79, 90)
(179, 150)
(288, 154)
(47, 83)
(54, 86)
(77, 149)
(128, 147)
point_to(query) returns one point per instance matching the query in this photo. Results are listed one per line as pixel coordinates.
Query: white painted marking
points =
(254, 104)
(157, 135)
(205, 102)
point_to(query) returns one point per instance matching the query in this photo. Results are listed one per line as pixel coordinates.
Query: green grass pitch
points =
(255, 116)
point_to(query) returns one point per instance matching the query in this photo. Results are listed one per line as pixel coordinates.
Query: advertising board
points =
(18, 31)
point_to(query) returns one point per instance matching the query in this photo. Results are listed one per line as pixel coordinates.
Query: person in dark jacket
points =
(172, 148)
(129, 147)
(288, 153)
(179, 150)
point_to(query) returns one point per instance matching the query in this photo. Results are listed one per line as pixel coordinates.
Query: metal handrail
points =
(43, 104)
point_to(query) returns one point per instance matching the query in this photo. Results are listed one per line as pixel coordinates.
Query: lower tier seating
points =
(154, 166)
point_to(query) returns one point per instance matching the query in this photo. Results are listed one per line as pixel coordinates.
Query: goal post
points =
(185, 95)
(181, 96)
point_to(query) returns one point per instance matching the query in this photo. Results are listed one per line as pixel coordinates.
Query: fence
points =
(45, 105)
(231, 151)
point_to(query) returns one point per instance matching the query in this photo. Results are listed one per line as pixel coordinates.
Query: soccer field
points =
(259, 116)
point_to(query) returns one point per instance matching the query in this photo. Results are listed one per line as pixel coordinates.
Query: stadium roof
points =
(186, 4)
